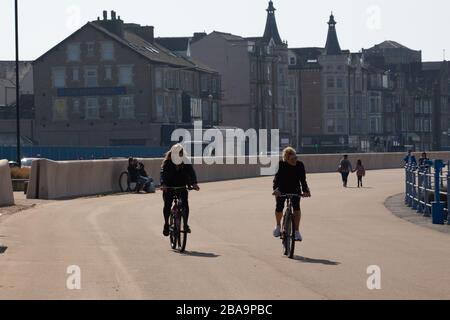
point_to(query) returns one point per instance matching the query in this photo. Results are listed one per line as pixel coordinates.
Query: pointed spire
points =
(271, 31)
(332, 47)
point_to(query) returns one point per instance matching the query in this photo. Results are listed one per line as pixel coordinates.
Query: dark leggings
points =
(360, 181)
(168, 197)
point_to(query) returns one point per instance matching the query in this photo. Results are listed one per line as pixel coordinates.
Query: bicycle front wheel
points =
(287, 234)
(174, 235)
(182, 239)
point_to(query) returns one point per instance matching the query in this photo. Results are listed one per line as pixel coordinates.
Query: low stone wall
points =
(59, 180)
(6, 190)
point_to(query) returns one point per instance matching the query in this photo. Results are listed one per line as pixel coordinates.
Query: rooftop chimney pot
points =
(105, 15)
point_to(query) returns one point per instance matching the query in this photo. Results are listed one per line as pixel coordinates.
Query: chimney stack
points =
(105, 15)
(113, 15)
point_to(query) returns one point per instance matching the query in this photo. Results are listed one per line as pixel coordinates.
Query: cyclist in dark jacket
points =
(290, 179)
(175, 173)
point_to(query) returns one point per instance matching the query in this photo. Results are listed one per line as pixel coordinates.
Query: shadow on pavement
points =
(200, 254)
(3, 249)
(316, 261)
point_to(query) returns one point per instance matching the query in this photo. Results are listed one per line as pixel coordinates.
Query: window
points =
(59, 110)
(330, 82)
(90, 49)
(375, 125)
(214, 85)
(73, 52)
(418, 106)
(75, 74)
(340, 126)
(205, 111)
(269, 72)
(126, 108)
(427, 125)
(158, 79)
(292, 83)
(107, 51)
(340, 102)
(330, 126)
(292, 61)
(108, 73)
(204, 83)
(374, 104)
(91, 77)
(172, 107)
(59, 78)
(427, 106)
(92, 109)
(330, 103)
(109, 105)
(76, 106)
(358, 84)
(159, 107)
(125, 75)
(339, 83)
(196, 108)
(215, 113)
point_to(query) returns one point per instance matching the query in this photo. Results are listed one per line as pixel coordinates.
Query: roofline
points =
(118, 39)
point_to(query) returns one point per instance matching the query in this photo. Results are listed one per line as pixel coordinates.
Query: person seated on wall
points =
(144, 179)
(133, 172)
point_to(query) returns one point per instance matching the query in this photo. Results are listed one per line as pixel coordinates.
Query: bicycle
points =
(288, 227)
(178, 222)
(125, 183)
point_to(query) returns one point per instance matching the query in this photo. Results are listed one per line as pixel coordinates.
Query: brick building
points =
(111, 84)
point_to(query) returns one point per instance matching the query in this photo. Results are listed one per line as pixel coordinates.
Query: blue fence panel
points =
(422, 182)
(86, 153)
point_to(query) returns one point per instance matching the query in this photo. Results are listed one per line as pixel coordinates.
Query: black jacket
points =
(290, 179)
(177, 176)
(133, 173)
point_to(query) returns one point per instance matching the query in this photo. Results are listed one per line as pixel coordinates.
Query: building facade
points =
(111, 84)
(255, 78)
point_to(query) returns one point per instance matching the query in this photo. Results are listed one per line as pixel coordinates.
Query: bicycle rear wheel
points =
(292, 242)
(123, 182)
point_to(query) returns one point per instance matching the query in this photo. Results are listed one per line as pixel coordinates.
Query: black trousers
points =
(168, 198)
(360, 181)
(345, 177)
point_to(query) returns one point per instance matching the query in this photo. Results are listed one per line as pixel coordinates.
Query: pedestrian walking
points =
(360, 172)
(345, 167)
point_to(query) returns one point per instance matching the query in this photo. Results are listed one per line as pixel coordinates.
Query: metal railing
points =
(427, 189)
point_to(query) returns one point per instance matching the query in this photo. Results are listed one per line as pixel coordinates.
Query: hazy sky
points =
(421, 25)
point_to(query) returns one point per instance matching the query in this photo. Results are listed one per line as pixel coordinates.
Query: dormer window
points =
(292, 61)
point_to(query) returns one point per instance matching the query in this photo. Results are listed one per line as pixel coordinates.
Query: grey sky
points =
(361, 23)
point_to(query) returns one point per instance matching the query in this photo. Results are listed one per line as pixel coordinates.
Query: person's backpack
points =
(150, 187)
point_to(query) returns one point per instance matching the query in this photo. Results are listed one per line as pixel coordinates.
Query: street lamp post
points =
(17, 83)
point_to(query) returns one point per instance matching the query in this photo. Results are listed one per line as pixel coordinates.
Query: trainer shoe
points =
(277, 232)
(298, 236)
(166, 231)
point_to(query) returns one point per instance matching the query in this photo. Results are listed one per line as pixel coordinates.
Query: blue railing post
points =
(406, 183)
(437, 207)
(414, 195)
(427, 187)
(448, 192)
(420, 193)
